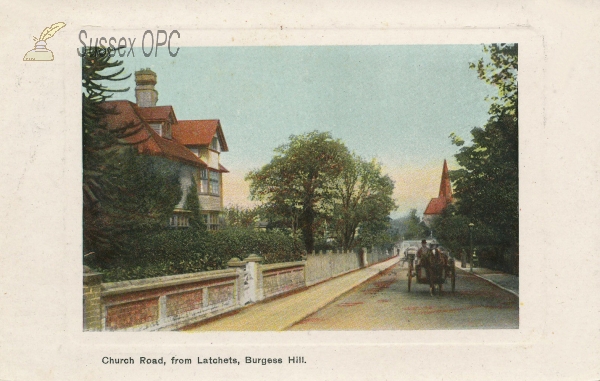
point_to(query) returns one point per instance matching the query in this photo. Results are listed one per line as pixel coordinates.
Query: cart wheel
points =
(410, 270)
(453, 277)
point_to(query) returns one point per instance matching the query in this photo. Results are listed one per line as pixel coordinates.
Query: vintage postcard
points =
(289, 199)
(300, 175)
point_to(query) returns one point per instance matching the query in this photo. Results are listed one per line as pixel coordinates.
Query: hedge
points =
(172, 252)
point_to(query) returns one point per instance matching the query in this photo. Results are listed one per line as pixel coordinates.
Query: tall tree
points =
(298, 183)
(97, 70)
(192, 203)
(487, 184)
(124, 193)
(138, 196)
(363, 195)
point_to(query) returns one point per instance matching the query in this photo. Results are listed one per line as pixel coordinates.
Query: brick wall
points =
(168, 302)
(92, 303)
(172, 302)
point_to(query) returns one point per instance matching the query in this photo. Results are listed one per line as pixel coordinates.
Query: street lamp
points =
(471, 245)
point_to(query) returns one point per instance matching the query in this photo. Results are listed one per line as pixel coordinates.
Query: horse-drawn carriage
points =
(432, 268)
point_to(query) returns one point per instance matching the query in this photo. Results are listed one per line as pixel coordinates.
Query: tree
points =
(98, 141)
(124, 193)
(138, 196)
(377, 232)
(363, 196)
(192, 203)
(298, 183)
(452, 229)
(238, 217)
(413, 227)
(487, 184)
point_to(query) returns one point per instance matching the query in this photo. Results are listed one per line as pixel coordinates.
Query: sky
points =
(398, 104)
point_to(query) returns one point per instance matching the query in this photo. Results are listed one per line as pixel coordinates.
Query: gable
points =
(199, 133)
(126, 115)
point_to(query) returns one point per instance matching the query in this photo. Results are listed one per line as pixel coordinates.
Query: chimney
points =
(145, 95)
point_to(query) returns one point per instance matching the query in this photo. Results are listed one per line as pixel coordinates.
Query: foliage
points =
(192, 203)
(168, 252)
(362, 198)
(124, 193)
(238, 217)
(452, 230)
(411, 226)
(299, 181)
(273, 246)
(315, 186)
(181, 251)
(138, 194)
(97, 139)
(377, 233)
(486, 185)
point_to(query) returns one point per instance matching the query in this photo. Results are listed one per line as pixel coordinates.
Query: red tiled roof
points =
(156, 113)
(171, 150)
(127, 115)
(198, 132)
(223, 169)
(436, 206)
(445, 184)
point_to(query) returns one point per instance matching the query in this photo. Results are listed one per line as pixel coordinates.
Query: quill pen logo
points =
(40, 52)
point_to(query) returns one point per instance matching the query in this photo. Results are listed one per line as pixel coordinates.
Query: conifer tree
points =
(193, 205)
(125, 194)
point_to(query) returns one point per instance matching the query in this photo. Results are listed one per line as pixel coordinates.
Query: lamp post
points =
(471, 245)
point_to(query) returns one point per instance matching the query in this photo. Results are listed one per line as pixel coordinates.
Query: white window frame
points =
(203, 182)
(214, 186)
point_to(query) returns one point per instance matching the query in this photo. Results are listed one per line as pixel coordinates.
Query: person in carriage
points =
(423, 252)
(434, 261)
(432, 266)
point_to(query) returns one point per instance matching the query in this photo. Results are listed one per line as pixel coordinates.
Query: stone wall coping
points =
(90, 278)
(329, 252)
(236, 262)
(115, 288)
(283, 265)
(253, 258)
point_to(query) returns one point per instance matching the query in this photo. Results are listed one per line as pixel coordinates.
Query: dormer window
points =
(214, 144)
(157, 127)
(167, 130)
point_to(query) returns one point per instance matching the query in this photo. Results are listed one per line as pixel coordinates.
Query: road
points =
(385, 303)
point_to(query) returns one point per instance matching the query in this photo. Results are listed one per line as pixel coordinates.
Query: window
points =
(215, 186)
(179, 220)
(167, 130)
(214, 144)
(203, 184)
(212, 221)
(157, 128)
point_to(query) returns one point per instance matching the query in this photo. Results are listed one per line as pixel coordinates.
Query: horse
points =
(435, 263)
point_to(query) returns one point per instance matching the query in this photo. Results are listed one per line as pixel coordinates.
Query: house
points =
(437, 205)
(197, 144)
